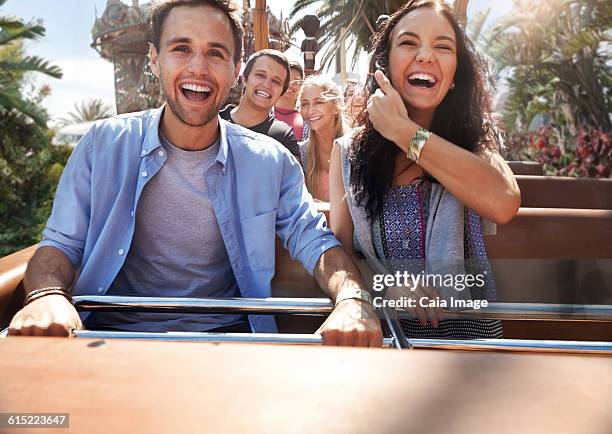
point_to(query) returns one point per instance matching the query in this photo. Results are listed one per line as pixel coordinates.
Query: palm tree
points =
(14, 65)
(357, 16)
(557, 55)
(90, 110)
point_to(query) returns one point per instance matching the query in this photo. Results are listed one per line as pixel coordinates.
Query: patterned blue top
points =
(398, 234)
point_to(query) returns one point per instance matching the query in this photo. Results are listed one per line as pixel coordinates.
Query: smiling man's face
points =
(195, 63)
(264, 85)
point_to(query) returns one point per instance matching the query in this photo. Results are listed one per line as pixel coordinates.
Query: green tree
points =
(29, 172)
(29, 166)
(14, 65)
(357, 16)
(557, 55)
(90, 110)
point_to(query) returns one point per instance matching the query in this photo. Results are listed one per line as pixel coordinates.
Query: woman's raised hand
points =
(388, 113)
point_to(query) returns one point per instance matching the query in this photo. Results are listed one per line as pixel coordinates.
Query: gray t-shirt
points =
(177, 249)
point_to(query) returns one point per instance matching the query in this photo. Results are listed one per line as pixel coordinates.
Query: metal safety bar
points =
(520, 345)
(395, 327)
(323, 306)
(517, 345)
(255, 306)
(268, 338)
(513, 345)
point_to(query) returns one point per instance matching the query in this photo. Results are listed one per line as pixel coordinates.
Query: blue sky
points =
(86, 75)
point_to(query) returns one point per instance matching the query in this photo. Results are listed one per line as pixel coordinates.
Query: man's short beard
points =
(177, 109)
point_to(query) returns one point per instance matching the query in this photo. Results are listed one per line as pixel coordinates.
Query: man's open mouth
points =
(263, 94)
(196, 92)
(422, 80)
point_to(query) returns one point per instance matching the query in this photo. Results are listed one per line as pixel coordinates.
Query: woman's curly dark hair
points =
(460, 117)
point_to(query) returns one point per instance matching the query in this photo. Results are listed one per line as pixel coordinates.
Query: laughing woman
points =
(321, 107)
(409, 187)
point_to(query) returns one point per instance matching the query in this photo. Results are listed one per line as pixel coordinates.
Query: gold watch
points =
(416, 144)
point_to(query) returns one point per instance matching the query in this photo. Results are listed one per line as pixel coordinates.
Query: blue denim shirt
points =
(256, 188)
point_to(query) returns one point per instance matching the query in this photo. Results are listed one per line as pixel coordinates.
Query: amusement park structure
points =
(120, 36)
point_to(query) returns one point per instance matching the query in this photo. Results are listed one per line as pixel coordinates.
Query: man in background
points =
(285, 108)
(266, 78)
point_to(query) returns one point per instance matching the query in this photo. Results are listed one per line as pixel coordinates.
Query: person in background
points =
(266, 78)
(285, 108)
(322, 108)
(409, 187)
(353, 101)
(349, 90)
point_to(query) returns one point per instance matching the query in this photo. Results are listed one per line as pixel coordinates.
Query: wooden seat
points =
(564, 192)
(544, 255)
(526, 168)
(12, 269)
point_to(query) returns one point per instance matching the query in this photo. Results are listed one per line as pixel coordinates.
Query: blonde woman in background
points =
(321, 106)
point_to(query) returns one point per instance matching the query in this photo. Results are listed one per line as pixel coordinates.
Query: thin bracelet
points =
(43, 292)
(355, 294)
(46, 288)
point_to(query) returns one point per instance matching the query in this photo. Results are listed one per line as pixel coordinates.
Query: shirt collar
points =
(223, 143)
(152, 142)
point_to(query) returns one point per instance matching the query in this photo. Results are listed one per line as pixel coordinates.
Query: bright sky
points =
(86, 74)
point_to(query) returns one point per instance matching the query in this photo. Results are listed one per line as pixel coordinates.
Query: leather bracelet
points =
(416, 144)
(46, 288)
(43, 292)
(355, 294)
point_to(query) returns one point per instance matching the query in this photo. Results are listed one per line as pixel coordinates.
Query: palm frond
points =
(300, 5)
(11, 99)
(89, 110)
(28, 31)
(10, 24)
(31, 64)
(477, 24)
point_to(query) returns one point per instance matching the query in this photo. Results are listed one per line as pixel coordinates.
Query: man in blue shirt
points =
(176, 202)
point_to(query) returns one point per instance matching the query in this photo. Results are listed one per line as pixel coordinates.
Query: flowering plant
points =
(588, 154)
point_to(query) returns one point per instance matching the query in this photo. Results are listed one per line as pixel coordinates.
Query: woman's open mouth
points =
(422, 80)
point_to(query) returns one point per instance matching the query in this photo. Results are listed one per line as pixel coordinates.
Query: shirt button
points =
(160, 153)
(144, 174)
(121, 251)
(143, 152)
(132, 214)
(100, 289)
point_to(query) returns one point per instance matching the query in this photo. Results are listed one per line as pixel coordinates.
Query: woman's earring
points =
(452, 86)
